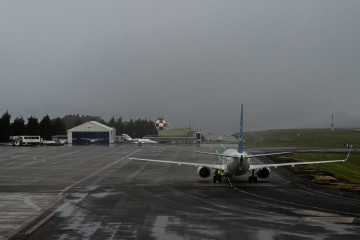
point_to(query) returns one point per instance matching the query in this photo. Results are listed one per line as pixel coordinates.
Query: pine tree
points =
(18, 127)
(32, 126)
(46, 128)
(5, 129)
(58, 127)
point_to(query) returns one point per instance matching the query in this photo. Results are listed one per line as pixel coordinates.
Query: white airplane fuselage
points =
(138, 140)
(144, 140)
(237, 164)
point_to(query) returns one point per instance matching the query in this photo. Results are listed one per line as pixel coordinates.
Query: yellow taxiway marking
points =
(317, 216)
(314, 213)
(330, 219)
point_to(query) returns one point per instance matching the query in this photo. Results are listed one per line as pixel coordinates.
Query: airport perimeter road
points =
(95, 192)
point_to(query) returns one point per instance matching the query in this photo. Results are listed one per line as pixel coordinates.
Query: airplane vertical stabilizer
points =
(240, 144)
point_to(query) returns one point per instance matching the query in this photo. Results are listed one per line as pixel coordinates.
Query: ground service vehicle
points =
(25, 140)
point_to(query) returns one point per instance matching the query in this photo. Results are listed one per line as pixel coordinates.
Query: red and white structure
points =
(161, 124)
(332, 124)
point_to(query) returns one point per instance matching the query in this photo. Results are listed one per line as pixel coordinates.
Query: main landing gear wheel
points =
(252, 178)
(217, 177)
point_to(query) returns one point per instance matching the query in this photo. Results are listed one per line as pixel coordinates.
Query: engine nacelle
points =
(204, 172)
(263, 172)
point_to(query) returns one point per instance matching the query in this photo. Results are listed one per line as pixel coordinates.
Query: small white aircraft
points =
(235, 162)
(138, 141)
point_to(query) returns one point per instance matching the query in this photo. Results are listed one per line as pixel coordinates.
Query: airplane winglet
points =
(348, 155)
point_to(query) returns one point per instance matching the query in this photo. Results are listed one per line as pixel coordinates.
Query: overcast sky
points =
(291, 63)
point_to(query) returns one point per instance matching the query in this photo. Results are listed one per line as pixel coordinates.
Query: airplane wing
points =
(257, 166)
(212, 166)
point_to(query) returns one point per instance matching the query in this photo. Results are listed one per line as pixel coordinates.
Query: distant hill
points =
(303, 138)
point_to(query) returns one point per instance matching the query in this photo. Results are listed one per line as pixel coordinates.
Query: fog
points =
(291, 63)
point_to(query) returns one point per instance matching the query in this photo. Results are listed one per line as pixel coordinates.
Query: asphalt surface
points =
(95, 192)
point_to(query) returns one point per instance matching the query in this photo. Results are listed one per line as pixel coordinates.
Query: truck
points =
(63, 139)
(25, 140)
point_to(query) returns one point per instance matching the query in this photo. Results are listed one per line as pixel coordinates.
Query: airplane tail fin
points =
(240, 144)
(127, 137)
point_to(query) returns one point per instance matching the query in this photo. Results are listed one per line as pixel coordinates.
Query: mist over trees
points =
(48, 127)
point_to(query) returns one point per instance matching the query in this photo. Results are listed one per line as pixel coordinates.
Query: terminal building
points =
(177, 136)
(187, 136)
(91, 132)
(216, 137)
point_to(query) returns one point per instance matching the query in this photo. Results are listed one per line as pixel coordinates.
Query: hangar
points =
(91, 132)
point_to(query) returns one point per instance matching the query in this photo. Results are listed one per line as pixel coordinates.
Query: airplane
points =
(86, 141)
(235, 162)
(138, 141)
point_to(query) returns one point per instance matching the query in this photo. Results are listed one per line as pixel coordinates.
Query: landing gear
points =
(217, 176)
(252, 178)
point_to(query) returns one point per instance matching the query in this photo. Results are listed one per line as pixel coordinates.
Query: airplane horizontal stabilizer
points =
(245, 156)
(266, 154)
(217, 154)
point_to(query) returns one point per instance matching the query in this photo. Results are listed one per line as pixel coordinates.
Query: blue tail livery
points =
(240, 144)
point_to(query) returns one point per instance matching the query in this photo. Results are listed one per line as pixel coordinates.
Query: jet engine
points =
(204, 172)
(263, 172)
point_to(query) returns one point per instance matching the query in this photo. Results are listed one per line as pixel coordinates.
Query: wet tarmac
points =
(95, 192)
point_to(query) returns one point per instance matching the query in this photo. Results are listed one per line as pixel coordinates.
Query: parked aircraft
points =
(234, 162)
(138, 141)
(89, 141)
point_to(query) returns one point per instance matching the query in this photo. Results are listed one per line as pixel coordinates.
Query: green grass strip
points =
(348, 171)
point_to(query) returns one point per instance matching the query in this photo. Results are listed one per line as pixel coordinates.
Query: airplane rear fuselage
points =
(237, 164)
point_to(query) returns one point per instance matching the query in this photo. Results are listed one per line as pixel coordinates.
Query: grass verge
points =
(303, 138)
(341, 176)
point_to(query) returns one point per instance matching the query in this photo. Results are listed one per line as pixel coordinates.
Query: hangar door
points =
(90, 137)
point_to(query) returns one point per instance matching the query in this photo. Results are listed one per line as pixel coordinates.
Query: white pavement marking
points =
(66, 201)
(101, 155)
(68, 154)
(19, 209)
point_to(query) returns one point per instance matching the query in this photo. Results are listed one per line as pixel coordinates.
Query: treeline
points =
(45, 128)
(48, 127)
(134, 128)
(71, 121)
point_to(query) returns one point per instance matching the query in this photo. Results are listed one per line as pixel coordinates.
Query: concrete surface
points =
(95, 192)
